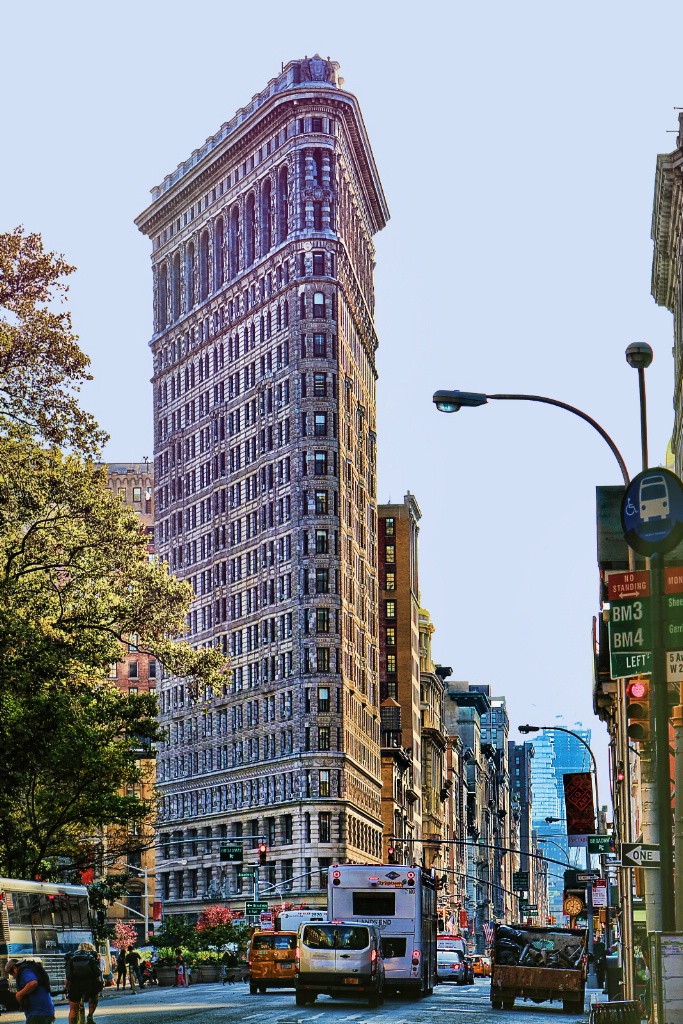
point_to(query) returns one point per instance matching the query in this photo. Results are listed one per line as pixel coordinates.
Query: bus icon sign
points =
(652, 512)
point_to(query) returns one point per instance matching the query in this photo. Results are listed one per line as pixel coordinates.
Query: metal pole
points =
(591, 980)
(643, 415)
(625, 834)
(146, 907)
(660, 701)
(678, 814)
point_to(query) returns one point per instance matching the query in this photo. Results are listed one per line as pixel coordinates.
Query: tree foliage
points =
(41, 366)
(76, 583)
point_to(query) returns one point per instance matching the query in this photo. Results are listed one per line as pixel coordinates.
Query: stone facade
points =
(265, 488)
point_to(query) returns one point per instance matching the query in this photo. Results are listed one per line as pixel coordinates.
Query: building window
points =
(322, 620)
(287, 830)
(389, 527)
(390, 553)
(132, 670)
(323, 655)
(323, 737)
(320, 424)
(318, 263)
(321, 503)
(132, 689)
(324, 832)
(323, 698)
(324, 782)
(137, 495)
(321, 545)
(390, 609)
(318, 304)
(391, 662)
(152, 669)
(391, 636)
(320, 385)
(322, 584)
(320, 345)
(391, 581)
(321, 463)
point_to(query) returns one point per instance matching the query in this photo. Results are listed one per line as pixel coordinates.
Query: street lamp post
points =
(564, 852)
(592, 980)
(638, 356)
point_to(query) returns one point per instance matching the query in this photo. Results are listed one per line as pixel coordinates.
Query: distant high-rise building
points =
(265, 489)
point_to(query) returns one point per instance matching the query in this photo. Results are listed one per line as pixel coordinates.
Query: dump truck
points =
(540, 964)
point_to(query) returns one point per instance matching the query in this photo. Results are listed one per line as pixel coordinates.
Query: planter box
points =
(166, 975)
(206, 972)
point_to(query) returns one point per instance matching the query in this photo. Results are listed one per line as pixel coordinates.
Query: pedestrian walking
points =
(180, 968)
(33, 990)
(121, 968)
(84, 981)
(133, 964)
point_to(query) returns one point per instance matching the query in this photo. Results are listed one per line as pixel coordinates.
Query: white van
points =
(341, 959)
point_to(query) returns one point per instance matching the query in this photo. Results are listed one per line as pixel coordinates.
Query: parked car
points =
(469, 971)
(450, 966)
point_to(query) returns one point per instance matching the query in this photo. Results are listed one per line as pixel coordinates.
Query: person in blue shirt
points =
(33, 997)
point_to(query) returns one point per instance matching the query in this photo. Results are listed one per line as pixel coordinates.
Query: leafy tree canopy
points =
(76, 583)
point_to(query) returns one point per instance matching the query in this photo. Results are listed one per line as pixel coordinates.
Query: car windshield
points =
(335, 937)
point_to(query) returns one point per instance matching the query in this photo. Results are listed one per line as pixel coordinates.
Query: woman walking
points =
(121, 968)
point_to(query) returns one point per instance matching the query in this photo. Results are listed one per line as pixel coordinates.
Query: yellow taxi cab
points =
(271, 960)
(481, 966)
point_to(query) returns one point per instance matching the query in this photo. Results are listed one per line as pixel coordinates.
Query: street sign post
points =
(599, 844)
(630, 623)
(587, 876)
(640, 855)
(520, 880)
(256, 908)
(231, 853)
(630, 637)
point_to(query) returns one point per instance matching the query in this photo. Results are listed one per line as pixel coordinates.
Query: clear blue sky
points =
(517, 146)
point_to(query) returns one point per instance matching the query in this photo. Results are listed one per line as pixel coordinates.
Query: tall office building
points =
(265, 488)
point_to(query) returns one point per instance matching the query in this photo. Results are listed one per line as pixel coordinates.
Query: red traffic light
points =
(262, 853)
(262, 848)
(637, 689)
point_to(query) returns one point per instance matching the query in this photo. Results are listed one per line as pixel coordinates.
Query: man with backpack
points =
(33, 990)
(84, 981)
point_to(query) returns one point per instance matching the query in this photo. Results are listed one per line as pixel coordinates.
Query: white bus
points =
(289, 920)
(401, 901)
(41, 920)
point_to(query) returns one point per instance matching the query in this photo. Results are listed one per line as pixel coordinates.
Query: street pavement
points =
(232, 1004)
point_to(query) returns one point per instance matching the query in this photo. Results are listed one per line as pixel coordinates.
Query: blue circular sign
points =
(652, 512)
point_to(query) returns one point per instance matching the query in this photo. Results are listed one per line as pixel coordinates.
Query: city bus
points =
(43, 920)
(401, 901)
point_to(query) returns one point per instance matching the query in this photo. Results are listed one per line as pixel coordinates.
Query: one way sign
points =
(638, 855)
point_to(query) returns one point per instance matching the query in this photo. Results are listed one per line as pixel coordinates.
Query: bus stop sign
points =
(652, 512)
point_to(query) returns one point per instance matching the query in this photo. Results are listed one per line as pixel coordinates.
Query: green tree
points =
(75, 583)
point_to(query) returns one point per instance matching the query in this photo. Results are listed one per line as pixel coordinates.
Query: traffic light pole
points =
(625, 835)
(660, 709)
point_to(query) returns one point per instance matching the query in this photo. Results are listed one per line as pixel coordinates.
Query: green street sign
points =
(630, 638)
(599, 844)
(673, 622)
(245, 874)
(232, 854)
(260, 907)
(520, 880)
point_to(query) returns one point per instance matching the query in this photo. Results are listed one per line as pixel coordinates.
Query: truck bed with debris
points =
(541, 964)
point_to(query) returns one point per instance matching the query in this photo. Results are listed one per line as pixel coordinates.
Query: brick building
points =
(136, 672)
(265, 492)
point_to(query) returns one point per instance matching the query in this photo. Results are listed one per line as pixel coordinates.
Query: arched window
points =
(203, 266)
(266, 211)
(249, 229)
(175, 286)
(234, 242)
(219, 257)
(282, 206)
(162, 299)
(189, 276)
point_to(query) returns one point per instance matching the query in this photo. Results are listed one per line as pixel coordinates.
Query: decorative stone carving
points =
(315, 69)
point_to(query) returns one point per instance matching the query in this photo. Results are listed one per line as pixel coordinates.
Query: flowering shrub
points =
(214, 916)
(126, 935)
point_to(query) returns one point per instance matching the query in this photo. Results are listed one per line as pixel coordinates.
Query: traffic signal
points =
(638, 710)
(262, 853)
(391, 855)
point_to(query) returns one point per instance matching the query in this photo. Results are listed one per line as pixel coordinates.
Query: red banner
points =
(578, 801)
(463, 920)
